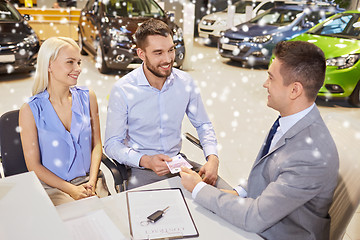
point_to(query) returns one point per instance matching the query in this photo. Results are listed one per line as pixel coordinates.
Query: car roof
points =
(351, 11)
(302, 7)
(297, 2)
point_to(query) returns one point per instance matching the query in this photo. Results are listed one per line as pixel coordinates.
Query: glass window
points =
(8, 13)
(277, 17)
(337, 25)
(89, 4)
(267, 6)
(313, 17)
(133, 8)
(344, 25)
(240, 6)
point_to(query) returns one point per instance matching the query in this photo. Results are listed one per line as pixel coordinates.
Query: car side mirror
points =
(27, 17)
(170, 16)
(308, 25)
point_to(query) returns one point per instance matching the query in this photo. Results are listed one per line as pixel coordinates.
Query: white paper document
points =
(95, 225)
(176, 222)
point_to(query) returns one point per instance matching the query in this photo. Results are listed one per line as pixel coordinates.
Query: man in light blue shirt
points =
(146, 109)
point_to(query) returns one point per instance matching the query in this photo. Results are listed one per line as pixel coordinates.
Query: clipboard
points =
(176, 222)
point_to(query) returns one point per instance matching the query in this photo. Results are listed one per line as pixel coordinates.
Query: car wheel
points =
(100, 62)
(81, 44)
(354, 98)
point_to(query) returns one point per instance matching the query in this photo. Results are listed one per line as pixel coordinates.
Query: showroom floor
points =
(236, 103)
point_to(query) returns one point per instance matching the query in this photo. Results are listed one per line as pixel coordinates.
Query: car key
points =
(157, 215)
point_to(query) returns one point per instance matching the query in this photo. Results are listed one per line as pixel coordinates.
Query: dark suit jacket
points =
(289, 190)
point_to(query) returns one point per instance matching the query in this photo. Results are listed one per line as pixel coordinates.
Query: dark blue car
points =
(252, 42)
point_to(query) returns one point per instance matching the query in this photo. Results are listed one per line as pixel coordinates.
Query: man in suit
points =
(291, 184)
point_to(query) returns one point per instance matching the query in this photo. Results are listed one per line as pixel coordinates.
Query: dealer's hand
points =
(210, 170)
(189, 178)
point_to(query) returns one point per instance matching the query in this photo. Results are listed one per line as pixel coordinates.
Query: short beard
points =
(157, 74)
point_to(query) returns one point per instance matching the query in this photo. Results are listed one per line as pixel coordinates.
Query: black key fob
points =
(155, 216)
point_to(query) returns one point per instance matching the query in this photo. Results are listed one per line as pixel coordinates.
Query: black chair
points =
(12, 156)
(119, 172)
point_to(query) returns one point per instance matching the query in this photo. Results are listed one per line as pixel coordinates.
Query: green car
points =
(339, 38)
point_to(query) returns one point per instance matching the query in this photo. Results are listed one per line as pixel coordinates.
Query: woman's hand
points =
(81, 191)
(91, 186)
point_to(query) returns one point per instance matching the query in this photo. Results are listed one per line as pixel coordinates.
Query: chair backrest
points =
(11, 149)
(347, 193)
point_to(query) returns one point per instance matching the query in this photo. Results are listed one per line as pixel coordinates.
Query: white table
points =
(209, 225)
(26, 211)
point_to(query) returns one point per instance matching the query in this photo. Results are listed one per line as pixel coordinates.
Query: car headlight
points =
(342, 62)
(118, 35)
(261, 39)
(207, 22)
(29, 40)
(178, 34)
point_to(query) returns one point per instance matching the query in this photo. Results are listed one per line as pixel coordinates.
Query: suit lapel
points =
(307, 120)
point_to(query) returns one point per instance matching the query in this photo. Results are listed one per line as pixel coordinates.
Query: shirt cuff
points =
(197, 189)
(135, 157)
(240, 191)
(208, 150)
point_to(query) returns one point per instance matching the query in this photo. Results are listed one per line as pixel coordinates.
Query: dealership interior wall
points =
(233, 95)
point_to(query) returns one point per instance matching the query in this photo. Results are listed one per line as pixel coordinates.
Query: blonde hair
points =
(48, 52)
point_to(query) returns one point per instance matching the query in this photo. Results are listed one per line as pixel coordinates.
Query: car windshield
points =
(8, 13)
(133, 8)
(343, 25)
(277, 17)
(240, 6)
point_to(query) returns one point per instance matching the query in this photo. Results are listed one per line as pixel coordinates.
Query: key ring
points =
(154, 217)
(144, 223)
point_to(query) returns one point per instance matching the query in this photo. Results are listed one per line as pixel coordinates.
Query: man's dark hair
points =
(304, 62)
(151, 27)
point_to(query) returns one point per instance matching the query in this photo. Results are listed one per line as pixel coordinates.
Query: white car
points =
(211, 25)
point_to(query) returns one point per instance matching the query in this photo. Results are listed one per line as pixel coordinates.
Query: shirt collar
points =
(287, 122)
(142, 80)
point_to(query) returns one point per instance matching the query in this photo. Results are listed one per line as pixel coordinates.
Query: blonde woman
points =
(60, 130)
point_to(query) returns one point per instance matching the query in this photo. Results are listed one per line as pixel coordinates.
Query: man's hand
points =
(189, 178)
(210, 170)
(156, 163)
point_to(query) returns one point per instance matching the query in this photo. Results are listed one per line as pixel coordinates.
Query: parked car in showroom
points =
(18, 42)
(252, 42)
(212, 24)
(339, 38)
(106, 30)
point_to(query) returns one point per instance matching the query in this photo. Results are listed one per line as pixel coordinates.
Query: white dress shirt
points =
(143, 120)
